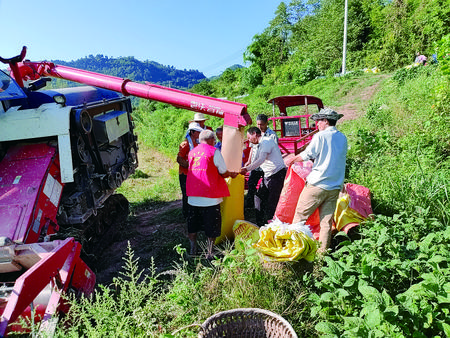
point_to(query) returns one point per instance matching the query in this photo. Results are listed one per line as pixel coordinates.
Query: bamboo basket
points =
(246, 322)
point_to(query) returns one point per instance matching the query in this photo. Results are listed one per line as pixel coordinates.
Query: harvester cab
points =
(292, 124)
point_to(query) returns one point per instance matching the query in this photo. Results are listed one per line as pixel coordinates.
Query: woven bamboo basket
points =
(246, 322)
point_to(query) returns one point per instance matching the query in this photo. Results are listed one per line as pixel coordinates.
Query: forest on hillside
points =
(304, 40)
(133, 69)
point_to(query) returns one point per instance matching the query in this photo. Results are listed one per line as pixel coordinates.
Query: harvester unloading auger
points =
(63, 152)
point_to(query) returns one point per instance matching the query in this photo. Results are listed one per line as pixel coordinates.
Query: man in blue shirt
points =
(328, 149)
(219, 134)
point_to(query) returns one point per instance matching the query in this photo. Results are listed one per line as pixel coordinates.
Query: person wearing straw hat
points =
(328, 148)
(200, 119)
(190, 142)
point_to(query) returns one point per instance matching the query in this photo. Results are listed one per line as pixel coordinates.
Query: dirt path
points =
(353, 110)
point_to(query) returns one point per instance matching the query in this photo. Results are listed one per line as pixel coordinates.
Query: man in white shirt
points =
(328, 148)
(257, 174)
(268, 157)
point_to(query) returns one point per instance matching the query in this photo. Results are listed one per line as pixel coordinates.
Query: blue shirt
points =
(328, 148)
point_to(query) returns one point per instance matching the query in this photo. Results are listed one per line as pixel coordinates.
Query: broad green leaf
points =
(443, 299)
(349, 282)
(370, 293)
(372, 315)
(327, 297)
(386, 298)
(446, 329)
(437, 259)
(328, 328)
(342, 293)
(352, 322)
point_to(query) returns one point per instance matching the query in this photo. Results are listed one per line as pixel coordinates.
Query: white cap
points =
(195, 126)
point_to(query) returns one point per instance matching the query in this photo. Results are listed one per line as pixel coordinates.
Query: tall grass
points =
(141, 303)
(400, 149)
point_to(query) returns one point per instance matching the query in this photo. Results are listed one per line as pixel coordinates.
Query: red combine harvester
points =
(63, 153)
(293, 125)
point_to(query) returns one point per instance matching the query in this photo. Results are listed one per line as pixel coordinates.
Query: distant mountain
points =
(233, 67)
(133, 69)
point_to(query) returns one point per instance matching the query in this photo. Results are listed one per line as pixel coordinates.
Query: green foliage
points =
(393, 282)
(124, 309)
(443, 54)
(204, 87)
(251, 77)
(271, 48)
(388, 284)
(412, 72)
(142, 303)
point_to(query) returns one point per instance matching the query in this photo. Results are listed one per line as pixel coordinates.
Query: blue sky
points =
(208, 35)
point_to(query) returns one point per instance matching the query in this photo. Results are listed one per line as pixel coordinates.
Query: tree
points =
(271, 48)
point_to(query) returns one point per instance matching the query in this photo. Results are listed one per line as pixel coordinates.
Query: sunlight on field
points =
(155, 180)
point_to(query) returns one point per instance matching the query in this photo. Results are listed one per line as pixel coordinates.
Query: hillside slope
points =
(131, 68)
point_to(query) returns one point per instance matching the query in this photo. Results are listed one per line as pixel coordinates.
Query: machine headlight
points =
(60, 99)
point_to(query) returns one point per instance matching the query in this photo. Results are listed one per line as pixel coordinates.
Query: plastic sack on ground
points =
(286, 242)
(244, 231)
(293, 186)
(353, 207)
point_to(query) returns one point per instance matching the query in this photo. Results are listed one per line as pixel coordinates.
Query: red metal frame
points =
(55, 268)
(294, 131)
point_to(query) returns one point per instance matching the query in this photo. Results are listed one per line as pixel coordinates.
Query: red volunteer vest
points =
(203, 178)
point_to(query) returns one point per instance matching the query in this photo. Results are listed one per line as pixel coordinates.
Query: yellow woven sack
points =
(232, 207)
(281, 245)
(344, 215)
(244, 230)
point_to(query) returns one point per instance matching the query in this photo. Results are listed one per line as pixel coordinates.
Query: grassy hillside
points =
(394, 281)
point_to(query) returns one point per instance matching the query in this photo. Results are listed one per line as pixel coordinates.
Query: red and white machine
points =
(63, 152)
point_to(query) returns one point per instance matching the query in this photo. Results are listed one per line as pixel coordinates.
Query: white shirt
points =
(197, 201)
(268, 134)
(328, 148)
(268, 157)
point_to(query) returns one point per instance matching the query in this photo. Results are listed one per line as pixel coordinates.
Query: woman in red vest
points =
(205, 188)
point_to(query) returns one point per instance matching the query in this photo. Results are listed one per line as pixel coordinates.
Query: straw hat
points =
(199, 117)
(326, 113)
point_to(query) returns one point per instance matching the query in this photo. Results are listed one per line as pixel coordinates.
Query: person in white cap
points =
(185, 147)
(328, 148)
(200, 119)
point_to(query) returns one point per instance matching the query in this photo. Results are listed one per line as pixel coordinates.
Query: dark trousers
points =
(185, 209)
(253, 179)
(267, 196)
